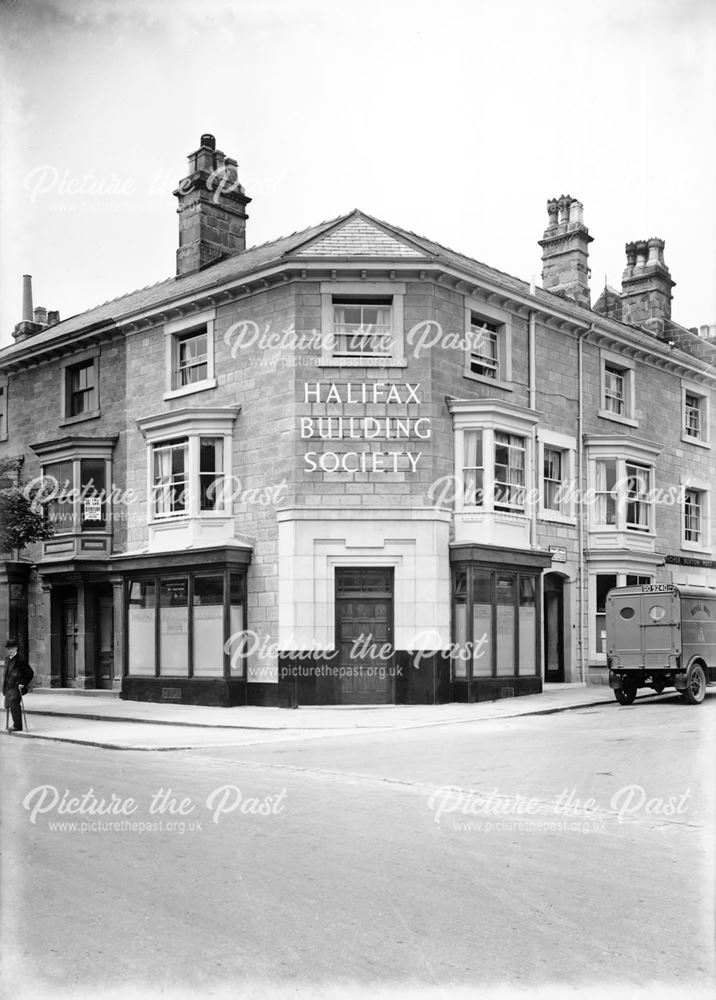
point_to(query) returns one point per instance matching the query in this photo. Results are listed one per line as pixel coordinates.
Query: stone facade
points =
(430, 475)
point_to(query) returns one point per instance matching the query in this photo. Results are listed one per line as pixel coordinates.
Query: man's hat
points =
(11, 644)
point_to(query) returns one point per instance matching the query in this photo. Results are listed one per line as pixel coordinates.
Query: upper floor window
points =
(484, 348)
(192, 363)
(493, 451)
(190, 354)
(506, 461)
(362, 323)
(553, 473)
(623, 496)
(80, 388)
(638, 489)
(694, 415)
(488, 355)
(362, 326)
(617, 389)
(169, 481)
(693, 509)
(509, 472)
(556, 459)
(188, 476)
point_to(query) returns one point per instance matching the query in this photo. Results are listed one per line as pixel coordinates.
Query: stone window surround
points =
(503, 320)
(568, 446)
(393, 289)
(93, 354)
(694, 389)
(173, 331)
(689, 482)
(628, 368)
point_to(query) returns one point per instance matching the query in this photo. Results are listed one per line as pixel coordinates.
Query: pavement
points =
(103, 720)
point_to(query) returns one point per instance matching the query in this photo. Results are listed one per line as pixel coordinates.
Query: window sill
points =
(90, 415)
(693, 547)
(188, 390)
(367, 362)
(699, 442)
(617, 418)
(485, 380)
(552, 517)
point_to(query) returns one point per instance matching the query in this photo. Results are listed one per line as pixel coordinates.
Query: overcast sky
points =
(456, 119)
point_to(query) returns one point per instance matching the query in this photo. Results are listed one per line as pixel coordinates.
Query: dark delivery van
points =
(658, 636)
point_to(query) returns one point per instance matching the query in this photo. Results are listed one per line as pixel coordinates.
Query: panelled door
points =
(553, 627)
(68, 667)
(364, 626)
(104, 638)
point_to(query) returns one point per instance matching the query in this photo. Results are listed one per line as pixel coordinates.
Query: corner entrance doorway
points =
(364, 624)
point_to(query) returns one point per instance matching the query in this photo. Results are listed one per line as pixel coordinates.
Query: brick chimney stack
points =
(565, 250)
(646, 286)
(212, 209)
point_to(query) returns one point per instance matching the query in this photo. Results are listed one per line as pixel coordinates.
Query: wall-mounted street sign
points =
(558, 552)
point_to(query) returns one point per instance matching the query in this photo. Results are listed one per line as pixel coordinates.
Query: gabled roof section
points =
(359, 235)
(116, 310)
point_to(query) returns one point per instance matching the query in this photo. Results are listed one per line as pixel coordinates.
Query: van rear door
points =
(661, 621)
(643, 626)
(623, 620)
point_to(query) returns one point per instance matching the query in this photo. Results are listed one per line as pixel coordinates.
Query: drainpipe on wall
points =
(532, 394)
(580, 503)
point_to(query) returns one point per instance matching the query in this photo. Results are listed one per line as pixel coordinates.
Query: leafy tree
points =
(22, 518)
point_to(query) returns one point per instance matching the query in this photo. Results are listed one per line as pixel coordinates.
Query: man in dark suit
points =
(18, 674)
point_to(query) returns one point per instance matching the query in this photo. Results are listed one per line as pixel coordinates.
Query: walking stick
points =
(24, 717)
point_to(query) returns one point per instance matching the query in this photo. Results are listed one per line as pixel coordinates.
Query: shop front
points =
(496, 614)
(180, 610)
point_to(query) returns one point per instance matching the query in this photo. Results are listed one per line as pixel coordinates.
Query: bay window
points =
(77, 478)
(622, 488)
(189, 468)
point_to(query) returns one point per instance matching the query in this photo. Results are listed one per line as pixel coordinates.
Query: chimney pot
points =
(40, 315)
(53, 317)
(208, 140)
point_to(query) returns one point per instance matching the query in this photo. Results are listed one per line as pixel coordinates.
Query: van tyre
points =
(695, 684)
(625, 694)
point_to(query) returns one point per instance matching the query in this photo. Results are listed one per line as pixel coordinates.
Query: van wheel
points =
(626, 694)
(695, 684)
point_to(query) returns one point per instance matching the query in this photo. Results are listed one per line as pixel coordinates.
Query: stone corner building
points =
(351, 465)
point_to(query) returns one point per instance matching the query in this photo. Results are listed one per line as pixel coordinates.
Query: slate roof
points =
(358, 236)
(355, 234)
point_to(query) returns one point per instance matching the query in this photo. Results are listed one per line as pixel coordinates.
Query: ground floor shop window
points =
(179, 625)
(494, 623)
